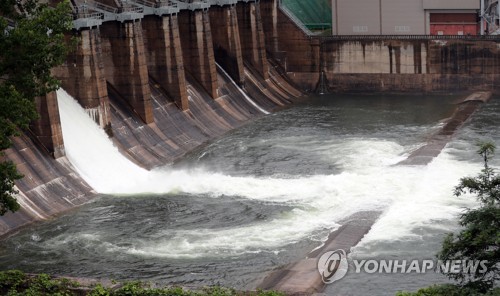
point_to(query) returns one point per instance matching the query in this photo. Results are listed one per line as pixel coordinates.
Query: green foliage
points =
(28, 52)
(480, 237)
(99, 290)
(219, 291)
(8, 174)
(142, 289)
(449, 290)
(486, 184)
(12, 279)
(16, 283)
(7, 8)
(269, 293)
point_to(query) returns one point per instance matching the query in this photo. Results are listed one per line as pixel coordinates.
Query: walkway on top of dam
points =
(91, 13)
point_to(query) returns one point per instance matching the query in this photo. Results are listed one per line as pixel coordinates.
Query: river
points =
(263, 195)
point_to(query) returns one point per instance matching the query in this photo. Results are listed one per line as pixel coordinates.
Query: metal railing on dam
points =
(91, 13)
(409, 37)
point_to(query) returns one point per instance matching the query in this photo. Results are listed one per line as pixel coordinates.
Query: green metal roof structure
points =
(314, 14)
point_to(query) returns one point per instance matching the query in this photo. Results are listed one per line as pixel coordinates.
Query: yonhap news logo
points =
(334, 265)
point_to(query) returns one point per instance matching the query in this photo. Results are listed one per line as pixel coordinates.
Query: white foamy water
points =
(410, 197)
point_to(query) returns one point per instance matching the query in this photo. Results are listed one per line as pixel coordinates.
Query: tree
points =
(480, 237)
(31, 44)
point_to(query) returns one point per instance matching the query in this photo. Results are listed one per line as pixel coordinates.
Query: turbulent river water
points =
(262, 196)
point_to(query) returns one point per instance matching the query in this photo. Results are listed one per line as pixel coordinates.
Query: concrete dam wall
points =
(159, 82)
(424, 65)
(413, 63)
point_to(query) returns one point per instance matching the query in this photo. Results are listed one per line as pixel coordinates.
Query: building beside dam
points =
(415, 17)
(405, 17)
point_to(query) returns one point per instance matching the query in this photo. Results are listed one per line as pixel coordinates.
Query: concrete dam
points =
(157, 94)
(163, 78)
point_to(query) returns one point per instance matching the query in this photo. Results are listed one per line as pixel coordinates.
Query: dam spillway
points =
(158, 95)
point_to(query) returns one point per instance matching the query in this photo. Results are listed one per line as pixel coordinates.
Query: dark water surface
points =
(286, 180)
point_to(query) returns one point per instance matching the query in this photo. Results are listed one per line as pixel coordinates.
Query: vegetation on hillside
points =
(31, 44)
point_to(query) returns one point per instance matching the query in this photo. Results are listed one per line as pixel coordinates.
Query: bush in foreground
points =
(479, 238)
(449, 290)
(17, 283)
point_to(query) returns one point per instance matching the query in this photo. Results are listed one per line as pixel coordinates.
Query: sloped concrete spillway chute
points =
(247, 98)
(53, 186)
(49, 186)
(176, 132)
(156, 94)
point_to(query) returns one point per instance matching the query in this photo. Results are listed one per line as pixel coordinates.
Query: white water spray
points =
(410, 197)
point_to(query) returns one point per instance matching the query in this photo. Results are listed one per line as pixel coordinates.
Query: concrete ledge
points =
(302, 277)
(425, 154)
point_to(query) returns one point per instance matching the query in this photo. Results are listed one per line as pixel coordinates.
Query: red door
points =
(454, 24)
